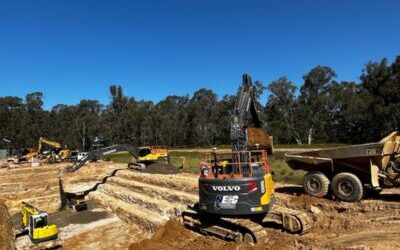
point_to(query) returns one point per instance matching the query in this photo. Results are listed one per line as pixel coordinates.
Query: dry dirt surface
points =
(141, 210)
(97, 228)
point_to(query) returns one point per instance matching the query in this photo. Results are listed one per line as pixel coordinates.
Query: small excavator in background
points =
(36, 224)
(151, 154)
(236, 192)
(97, 153)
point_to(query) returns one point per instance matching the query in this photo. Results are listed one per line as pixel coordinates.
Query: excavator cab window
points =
(144, 152)
(40, 222)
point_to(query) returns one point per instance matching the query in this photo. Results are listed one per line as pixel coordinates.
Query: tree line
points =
(320, 110)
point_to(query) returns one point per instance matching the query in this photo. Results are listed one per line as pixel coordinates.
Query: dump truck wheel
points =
(316, 184)
(347, 187)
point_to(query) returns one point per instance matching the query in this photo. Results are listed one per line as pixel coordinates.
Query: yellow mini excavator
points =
(35, 222)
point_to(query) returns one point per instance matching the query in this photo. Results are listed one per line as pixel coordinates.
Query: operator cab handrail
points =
(241, 164)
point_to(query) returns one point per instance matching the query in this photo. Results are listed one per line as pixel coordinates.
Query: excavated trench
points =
(142, 209)
(146, 200)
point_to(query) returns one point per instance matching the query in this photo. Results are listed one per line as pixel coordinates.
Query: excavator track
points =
(244, 229)
(293, 221)
(231, 229)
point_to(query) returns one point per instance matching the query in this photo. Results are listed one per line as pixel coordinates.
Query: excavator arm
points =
(95, 154)
(52, 144)
(246, 132)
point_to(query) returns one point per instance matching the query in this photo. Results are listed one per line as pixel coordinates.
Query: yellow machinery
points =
(57, 153)
(26, 157)
(61, 153)
(153, 154)
(36, 222)
(53, 144)
(236, 192)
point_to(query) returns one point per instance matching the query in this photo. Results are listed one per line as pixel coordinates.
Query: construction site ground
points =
(140, 210)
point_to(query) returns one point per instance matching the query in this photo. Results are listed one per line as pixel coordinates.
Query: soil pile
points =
(174, 236)
(6, 232)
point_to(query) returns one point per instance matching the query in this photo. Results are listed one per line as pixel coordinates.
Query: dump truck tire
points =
(347, 187)
(316, 184)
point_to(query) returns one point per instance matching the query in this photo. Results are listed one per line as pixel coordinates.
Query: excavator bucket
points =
(258, 139)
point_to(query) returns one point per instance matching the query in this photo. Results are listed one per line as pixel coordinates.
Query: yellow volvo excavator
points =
(36, 223)
(153, 154)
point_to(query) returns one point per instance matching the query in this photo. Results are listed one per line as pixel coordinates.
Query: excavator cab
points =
(151, 154)
(238, 185)
(36, 222)
(39, 229)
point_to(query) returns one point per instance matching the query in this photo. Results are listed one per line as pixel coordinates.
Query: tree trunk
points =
(84, 137)
(310, 134)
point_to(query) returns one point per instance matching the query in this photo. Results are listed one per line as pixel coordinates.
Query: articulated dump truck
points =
(350, 172)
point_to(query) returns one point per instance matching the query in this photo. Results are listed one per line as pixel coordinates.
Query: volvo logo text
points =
(226, 188)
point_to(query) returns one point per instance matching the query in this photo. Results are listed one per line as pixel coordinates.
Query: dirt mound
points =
(161, 168)
(6, 233)
(259, 139)
(174, 236)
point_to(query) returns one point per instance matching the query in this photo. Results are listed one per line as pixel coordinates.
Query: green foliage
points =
(327, 111)
(321, 110)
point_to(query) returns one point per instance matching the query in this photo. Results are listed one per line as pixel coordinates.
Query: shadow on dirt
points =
(298, 190)
(292, 190)
(385, 197)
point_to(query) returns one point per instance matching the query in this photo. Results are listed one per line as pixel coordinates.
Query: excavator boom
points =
(95, 154)
(246, 127)
(52, 144)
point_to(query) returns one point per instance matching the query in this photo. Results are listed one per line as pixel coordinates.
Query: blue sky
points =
(71, 50)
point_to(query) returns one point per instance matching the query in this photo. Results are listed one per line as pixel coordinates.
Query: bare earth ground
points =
(132, 210)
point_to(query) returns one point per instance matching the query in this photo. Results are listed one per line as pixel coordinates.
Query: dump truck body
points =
(374, 164)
